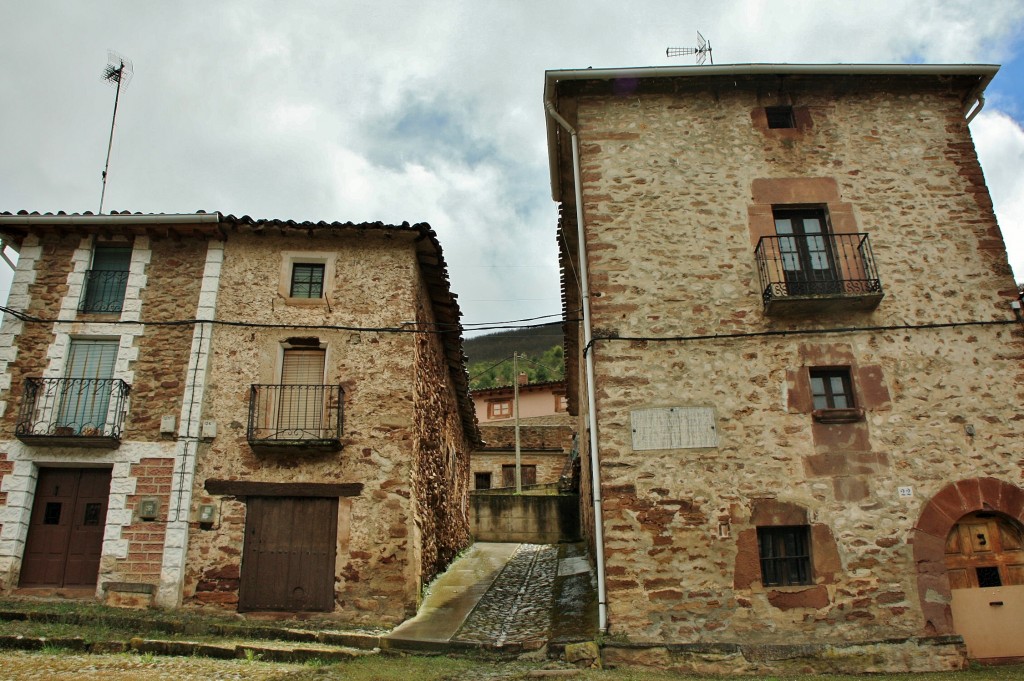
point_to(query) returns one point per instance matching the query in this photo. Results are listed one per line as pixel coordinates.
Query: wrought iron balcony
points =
(803, 273)
(82, 412)
(104, 291)
(290, 418)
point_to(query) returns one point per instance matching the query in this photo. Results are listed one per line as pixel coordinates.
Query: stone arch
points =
(929, 538)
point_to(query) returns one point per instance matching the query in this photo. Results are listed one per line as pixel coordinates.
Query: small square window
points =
(499, 409)
(832, 389)
(780, 116)
(307, 280)
(561, 403)
(482, 481)
(785, 554)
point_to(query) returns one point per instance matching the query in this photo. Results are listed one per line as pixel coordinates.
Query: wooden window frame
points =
(492, 411)
(561, 404)
(831, 396)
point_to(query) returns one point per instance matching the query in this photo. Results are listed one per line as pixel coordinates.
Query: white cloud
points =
(1000, 143)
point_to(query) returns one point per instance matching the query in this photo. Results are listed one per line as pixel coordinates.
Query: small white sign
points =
(905, 492)
(674, 428)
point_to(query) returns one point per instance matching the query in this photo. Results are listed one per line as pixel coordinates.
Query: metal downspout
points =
(588, 354)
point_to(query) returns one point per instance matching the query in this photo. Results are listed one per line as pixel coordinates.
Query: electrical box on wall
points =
(207, 514)
(149, 508)
(209, 430)
(168, 424)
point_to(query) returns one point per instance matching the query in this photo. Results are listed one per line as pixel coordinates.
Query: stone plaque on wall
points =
(674, 428)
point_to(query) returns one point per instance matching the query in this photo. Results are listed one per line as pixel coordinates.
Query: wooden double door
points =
(65, 534)
(289, 554)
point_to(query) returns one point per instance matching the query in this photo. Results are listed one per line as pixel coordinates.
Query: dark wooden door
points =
(65, 534)
(288, 556)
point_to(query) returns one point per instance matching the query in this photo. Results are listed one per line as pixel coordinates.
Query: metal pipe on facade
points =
(588, 354)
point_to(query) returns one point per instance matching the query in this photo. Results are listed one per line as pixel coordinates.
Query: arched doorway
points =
(969, 552)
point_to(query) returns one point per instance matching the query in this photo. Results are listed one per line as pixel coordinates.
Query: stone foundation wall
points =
(925, 654)
(667, 177)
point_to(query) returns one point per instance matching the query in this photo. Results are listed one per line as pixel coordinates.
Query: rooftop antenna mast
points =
(117, 72)
(703, 51)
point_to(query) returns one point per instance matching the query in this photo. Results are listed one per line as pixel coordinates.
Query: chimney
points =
(523, 378)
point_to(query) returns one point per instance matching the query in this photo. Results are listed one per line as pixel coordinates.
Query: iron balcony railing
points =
(82, 411)
(104, 290)
(295, 416)
(812, 265)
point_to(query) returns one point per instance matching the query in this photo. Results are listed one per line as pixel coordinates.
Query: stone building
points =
(799, 364)
(545, 434)
(252, 414)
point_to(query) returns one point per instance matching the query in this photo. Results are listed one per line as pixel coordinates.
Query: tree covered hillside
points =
(490, 356)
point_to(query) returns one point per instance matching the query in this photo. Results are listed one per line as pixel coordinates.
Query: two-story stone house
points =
(545, 434)
(798, 367)
(205, 409)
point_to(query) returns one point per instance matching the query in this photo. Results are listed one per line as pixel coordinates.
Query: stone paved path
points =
(517, 607)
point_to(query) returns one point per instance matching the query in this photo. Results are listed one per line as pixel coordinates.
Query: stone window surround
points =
(824, 552)
(768, 194)
(291, 258)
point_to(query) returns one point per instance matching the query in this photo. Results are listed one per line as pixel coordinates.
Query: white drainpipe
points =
(595, 469)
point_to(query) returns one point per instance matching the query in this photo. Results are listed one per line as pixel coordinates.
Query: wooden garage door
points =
(288, 556)
(65, 534)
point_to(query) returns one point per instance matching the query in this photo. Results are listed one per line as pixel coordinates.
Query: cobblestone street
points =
(517, 607)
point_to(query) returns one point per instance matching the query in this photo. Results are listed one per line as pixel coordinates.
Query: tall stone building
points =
(799, 365)
(253, 414)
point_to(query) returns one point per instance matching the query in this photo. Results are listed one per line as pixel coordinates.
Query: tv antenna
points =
(117, 72)
(703, 51)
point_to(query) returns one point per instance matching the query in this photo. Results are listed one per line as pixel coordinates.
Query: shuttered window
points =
(85, 397)
(300, 411)
(303, 366)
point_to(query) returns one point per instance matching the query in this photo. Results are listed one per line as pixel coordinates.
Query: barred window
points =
(307, 280)
(785, 555)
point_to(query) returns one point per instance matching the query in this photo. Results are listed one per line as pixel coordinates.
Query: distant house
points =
(798, 371)
(546, 434)
(207, 409)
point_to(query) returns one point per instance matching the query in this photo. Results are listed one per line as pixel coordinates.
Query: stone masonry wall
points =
(146, 537)
(44, 295)
(375, 570)
(670, 187)
(174, 278)
(441, 470)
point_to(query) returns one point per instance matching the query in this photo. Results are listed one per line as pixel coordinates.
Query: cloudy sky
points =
(412, 110)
